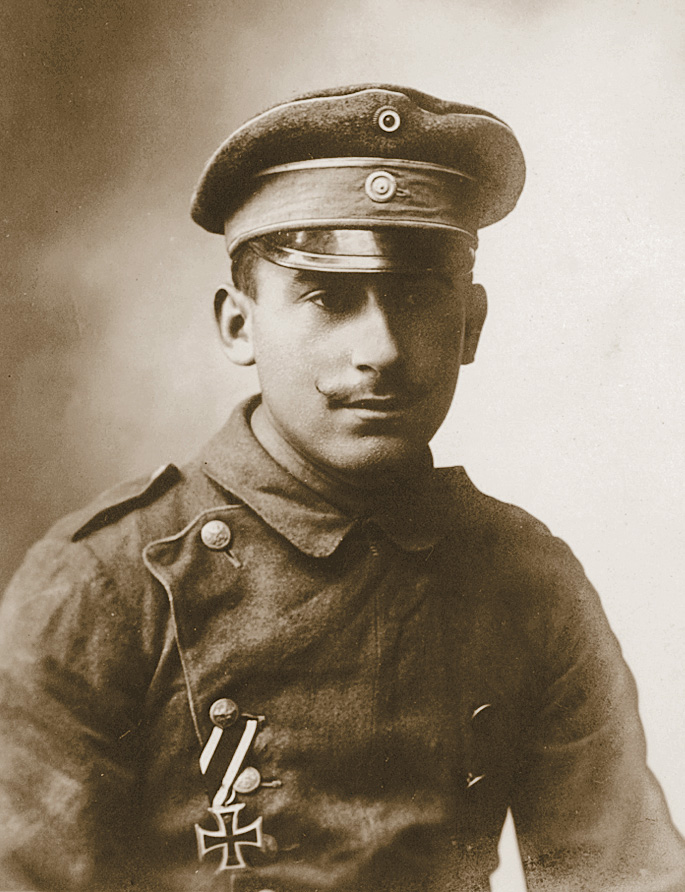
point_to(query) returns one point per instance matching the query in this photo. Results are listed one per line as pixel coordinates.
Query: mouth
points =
(386, 406)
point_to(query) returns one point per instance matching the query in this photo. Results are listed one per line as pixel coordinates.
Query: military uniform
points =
(241, 675)
(411, 674)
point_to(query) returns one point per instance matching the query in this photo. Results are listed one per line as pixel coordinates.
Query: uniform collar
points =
(413, 513)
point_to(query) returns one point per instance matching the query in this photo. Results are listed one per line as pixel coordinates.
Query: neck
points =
(354, 493)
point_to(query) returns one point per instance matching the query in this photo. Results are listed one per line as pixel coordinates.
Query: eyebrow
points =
(303, 276)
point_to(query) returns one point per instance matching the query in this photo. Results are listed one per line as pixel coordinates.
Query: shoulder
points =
(114, 512)
(116, 503)
(121, 521)
(501, 530)
(529, 574)
(539, 619)
(89, 568)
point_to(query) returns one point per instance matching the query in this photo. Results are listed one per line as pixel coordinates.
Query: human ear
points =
(476, 309)
(233, 311)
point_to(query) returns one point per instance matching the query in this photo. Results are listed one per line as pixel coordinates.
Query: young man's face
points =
(358, 371)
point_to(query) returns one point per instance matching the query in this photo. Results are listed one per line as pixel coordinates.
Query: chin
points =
(378, 455)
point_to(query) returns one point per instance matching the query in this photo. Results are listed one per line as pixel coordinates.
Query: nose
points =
(375, 345)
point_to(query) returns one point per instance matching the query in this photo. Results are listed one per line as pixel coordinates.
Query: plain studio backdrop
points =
(573, 410)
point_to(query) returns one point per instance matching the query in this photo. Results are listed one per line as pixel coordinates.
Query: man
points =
(309, 660)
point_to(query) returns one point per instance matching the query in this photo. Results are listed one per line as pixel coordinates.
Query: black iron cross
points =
(229, 841)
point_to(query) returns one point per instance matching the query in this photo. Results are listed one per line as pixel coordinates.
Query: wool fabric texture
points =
(378, 121)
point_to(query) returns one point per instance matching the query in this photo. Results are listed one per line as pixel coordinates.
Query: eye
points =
(411, 298)
(423, 294)
(330, 300)
(415, 297)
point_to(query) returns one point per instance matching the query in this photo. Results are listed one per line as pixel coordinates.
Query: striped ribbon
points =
(223, 757)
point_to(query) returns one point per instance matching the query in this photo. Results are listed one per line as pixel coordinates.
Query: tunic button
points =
(269, 846)
(247, 781)
(216, 535)
(223, 712)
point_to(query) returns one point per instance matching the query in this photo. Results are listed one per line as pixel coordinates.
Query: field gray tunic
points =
(416, 669)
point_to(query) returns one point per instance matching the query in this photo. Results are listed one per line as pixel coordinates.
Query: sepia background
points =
(108, 359)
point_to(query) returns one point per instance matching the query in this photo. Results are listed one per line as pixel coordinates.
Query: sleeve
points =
(589, 814)
(72, 677)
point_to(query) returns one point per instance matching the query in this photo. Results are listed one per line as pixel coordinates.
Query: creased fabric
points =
(421, 667)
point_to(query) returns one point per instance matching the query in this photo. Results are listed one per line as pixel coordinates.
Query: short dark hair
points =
(242, 270)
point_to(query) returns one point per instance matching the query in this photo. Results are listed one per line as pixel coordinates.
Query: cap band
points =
(354, 193)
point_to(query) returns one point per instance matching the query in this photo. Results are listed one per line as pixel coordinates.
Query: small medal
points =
(221, 763)
(229, 839)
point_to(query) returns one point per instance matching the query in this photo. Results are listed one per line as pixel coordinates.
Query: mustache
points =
(342, 392)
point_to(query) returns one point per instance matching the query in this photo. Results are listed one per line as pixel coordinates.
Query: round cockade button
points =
(216, 535)
(380, 185)
(224, 712)
(388, 120)
(247, 781)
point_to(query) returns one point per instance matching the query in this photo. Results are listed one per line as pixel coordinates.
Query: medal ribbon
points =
(224, 746)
